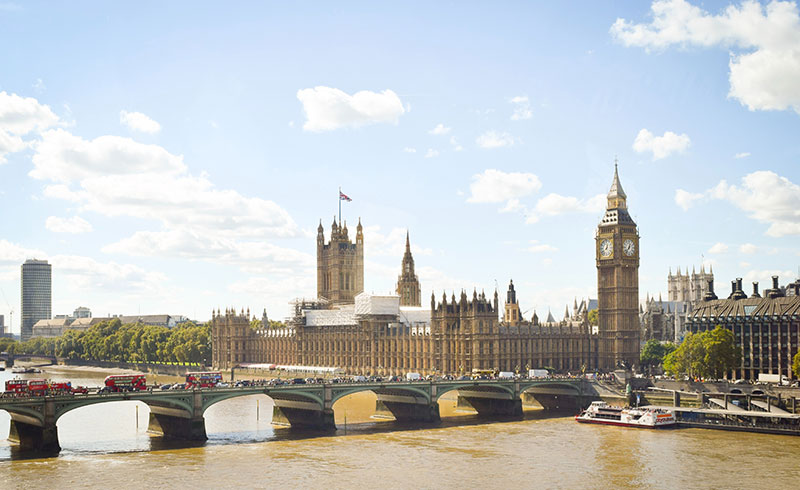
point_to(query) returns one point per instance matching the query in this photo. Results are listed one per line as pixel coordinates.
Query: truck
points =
(538, 373)
(505, 374)
(413, 377)
(773, 378)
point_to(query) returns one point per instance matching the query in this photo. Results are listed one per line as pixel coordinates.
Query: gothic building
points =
(340, 264)
(617, 256)
(408, 283)
(348, 329)
(666, 320)
(689, 288)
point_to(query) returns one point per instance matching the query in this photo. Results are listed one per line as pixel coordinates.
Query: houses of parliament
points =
(346, 328)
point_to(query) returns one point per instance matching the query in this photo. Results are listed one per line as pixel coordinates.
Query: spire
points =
(408, 244)
(616, 188)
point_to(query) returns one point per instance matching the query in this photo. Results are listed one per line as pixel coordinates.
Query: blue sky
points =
(178, 158)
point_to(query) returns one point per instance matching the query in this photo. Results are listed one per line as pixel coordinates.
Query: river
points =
(104, 447)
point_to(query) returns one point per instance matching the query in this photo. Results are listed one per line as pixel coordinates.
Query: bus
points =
(125, 382)
(203, 380)
(483, 373)
(16, 387)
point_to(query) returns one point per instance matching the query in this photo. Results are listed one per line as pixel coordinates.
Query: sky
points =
(177, 157)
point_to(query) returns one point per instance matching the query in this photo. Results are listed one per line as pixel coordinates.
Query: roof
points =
(144, 319)
(55, 322)
(342, 315)
(616, 187)
(750, 307)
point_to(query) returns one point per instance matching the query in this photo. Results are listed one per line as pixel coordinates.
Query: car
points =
(222, 384)
(179, 386)
(464, 378)
(103, 390)
(298, 381)
(165, 387)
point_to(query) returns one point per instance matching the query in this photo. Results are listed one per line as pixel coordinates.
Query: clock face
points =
(605, 248)
(628, 247)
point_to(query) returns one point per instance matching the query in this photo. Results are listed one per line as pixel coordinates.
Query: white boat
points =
(600, 412)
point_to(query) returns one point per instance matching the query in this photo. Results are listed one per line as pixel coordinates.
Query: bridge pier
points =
(301, 418)
(34, 437)
(492, 407)
(181, 428)
(404, 411)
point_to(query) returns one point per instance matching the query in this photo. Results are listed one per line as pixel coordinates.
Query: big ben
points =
(617, 255)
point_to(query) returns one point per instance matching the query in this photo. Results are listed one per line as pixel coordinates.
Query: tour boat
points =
(600, 412)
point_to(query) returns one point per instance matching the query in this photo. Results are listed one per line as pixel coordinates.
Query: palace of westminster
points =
(361, 333)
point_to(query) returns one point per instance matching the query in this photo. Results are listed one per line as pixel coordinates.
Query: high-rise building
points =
(36, 295)
(408, 283)
(617, 256)
(340, 265)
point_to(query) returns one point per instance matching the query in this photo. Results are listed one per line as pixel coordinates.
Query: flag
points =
(343, 197)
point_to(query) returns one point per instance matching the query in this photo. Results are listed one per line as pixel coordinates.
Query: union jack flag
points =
(343, 197)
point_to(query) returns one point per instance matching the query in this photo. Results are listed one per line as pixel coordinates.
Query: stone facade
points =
(617, 259)
(408, 283)
(340, 264)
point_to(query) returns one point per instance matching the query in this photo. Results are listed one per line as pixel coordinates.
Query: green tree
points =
(796, 365)
(594, 317)
(721, 352)
(652, 355)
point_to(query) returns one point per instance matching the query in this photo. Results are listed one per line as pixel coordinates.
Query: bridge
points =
(179, 414)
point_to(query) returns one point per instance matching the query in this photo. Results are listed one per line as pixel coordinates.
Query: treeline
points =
(709, 354)
(110, 340)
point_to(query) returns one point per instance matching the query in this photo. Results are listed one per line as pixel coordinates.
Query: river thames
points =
(102, 446)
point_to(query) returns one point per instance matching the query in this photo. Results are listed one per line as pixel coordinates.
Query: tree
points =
(652, 354)
(796, 365)
(721, 352)
(594, 317)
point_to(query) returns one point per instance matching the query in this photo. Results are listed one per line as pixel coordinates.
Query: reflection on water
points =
(104, 447)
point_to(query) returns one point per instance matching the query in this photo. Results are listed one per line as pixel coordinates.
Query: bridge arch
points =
(481, 387)
(556, 388)
(339, 393)
(213, 397)
(75, 403)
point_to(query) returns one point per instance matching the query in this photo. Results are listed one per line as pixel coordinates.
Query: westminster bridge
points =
(178, 414)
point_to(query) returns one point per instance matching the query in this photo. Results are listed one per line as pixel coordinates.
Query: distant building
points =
(689, 288)
(57, 326)
(408, 283)
(169, 321)
(2, 326)
(340, 265)
(36, 295)
(82, 312)
(665, 321)
(766, 328)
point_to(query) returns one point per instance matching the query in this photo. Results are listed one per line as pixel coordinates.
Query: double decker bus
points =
(38, 387)
(16, 387)
(203, 379)
(483, 373)
(125, 382)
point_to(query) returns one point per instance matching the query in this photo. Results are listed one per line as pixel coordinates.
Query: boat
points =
(25, 370)
(600, 412)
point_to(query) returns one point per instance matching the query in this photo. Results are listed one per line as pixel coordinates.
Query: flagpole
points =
(340, 206)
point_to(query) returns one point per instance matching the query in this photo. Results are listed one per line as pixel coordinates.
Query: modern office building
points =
(36, 295)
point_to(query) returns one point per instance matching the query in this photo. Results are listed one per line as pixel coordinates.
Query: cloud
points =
(762, 74)
(766, 197)
(391, 244)
(440, 129)
(555, 204)
(39, 85)
(329, 108)
(497, 186)
(522, 109)
(10, 143)
(537, 247)
(74, 225)
(139, 122)
(748, 248)
(718, 248)
(409, 150)
(431, 153)
(456, 146)
(686, 199)
(494, 139)
(744, 154)
(660, 146)
(764, 277)
(21, 115)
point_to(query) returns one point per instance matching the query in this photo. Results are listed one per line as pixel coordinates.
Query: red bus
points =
(125, 382)
(16, 387)
(38, 387)
(60, 387)
(202, 380)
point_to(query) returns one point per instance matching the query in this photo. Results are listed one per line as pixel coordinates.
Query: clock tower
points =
(617, 255)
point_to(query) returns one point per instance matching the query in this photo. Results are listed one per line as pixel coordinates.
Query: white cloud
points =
(440, 129)
(743, 154)
(660, 146)
(555, 204)
(329, 108)
(766, 197)
(64, 157)
(431, 153)
(10, 143)
(139, 122)
(537, 247)
(455, 144)
(494, 139)
(409, 150)
(718, 248)
(748, 248)
(522, 109)
(39, 85)
(764, 277)
(686, 199)
(21, 115)
(497, 186)
(392, 244)
(763, 75)
(73, 225)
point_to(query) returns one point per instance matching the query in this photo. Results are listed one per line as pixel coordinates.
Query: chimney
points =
(738, 293)
(710, 293)
(733, 289)
(775, 283)
(755, 290)
(775, 292)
